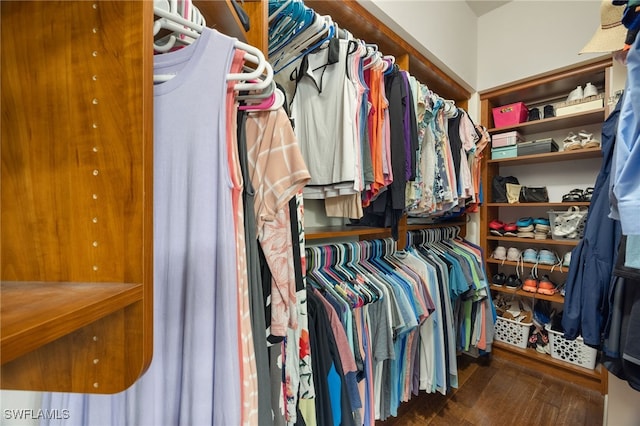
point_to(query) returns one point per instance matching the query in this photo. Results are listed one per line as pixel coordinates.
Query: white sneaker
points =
(576, 94)
(590, 90)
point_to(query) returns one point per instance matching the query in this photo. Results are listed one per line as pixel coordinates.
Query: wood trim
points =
(527, 241)
(545, 78)
(550, 157)
(556, 298)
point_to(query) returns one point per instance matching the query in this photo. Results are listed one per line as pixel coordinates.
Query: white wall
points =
(525, 38)
(442, 30)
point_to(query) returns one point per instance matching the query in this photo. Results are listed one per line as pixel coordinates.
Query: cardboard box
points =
(504, 152)
(581, 107)
(506, 139)
(539, 146)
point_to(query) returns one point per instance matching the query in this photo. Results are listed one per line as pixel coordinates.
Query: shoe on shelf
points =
(576, 94)
(534, 114)
(541, 221)
(496, 228)
(499, 279)
(500, 253)
(572, 142)
(547, 257)
(513, 281)
(573, 196)
(549, 111)
(526, 234)
(587, 140)
(588, 193)
(530, 256)
(510, 229)
(590, 90)
(513, 254)
(523, 222)
(546, 286)
(540, 235)
(530, 284)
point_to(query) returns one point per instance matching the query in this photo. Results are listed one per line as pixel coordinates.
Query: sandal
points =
(573, 196)
(572, 142)
(588, 193)
(587, 141)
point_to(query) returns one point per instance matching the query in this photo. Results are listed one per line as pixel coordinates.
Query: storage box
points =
(563, 221)
(504, 152)
(512, 332)
(571, 351)
(580, 107)
(506, 139)
(539, 146)
(508, 115)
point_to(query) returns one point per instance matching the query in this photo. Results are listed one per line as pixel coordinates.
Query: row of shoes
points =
(530, 255)
(526, 227)
(580, 93)
(543, 285)
(531, 284)
(534, 113)
(577, 194)
(583, 140)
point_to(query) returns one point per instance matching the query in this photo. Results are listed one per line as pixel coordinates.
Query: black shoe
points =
(513, 281)
(499, 279)
(549, 111)
(534, 114)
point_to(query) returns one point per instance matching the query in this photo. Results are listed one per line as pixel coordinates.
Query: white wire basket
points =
(512, 332)
(571, 351)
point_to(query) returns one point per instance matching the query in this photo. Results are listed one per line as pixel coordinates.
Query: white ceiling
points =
(480, 7)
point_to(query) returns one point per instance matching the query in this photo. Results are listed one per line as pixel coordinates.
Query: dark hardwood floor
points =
(496, 392)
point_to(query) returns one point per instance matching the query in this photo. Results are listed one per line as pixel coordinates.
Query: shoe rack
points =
(550, 88)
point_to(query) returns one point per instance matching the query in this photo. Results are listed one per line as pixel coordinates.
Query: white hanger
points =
(280, 9)
(173, 21)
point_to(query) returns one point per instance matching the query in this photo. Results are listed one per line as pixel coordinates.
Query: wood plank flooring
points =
(496, 392)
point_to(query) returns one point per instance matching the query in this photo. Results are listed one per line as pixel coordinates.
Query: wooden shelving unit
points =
(77, 184)
(539, 90)
(548, 241)
(540, 267)
(557, 298)
(550, 157)
(37, 313)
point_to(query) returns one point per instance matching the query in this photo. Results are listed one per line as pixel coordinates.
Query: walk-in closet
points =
(301, 212)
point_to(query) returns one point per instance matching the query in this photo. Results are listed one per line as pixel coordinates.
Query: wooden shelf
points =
(524, 264)
(37, 313)
(321, 232)
(552, 85)
(563, 205)
(550, 157)
(593, 379)
(419, 226)
(548, 241)
(557, 298)
(569, 121)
